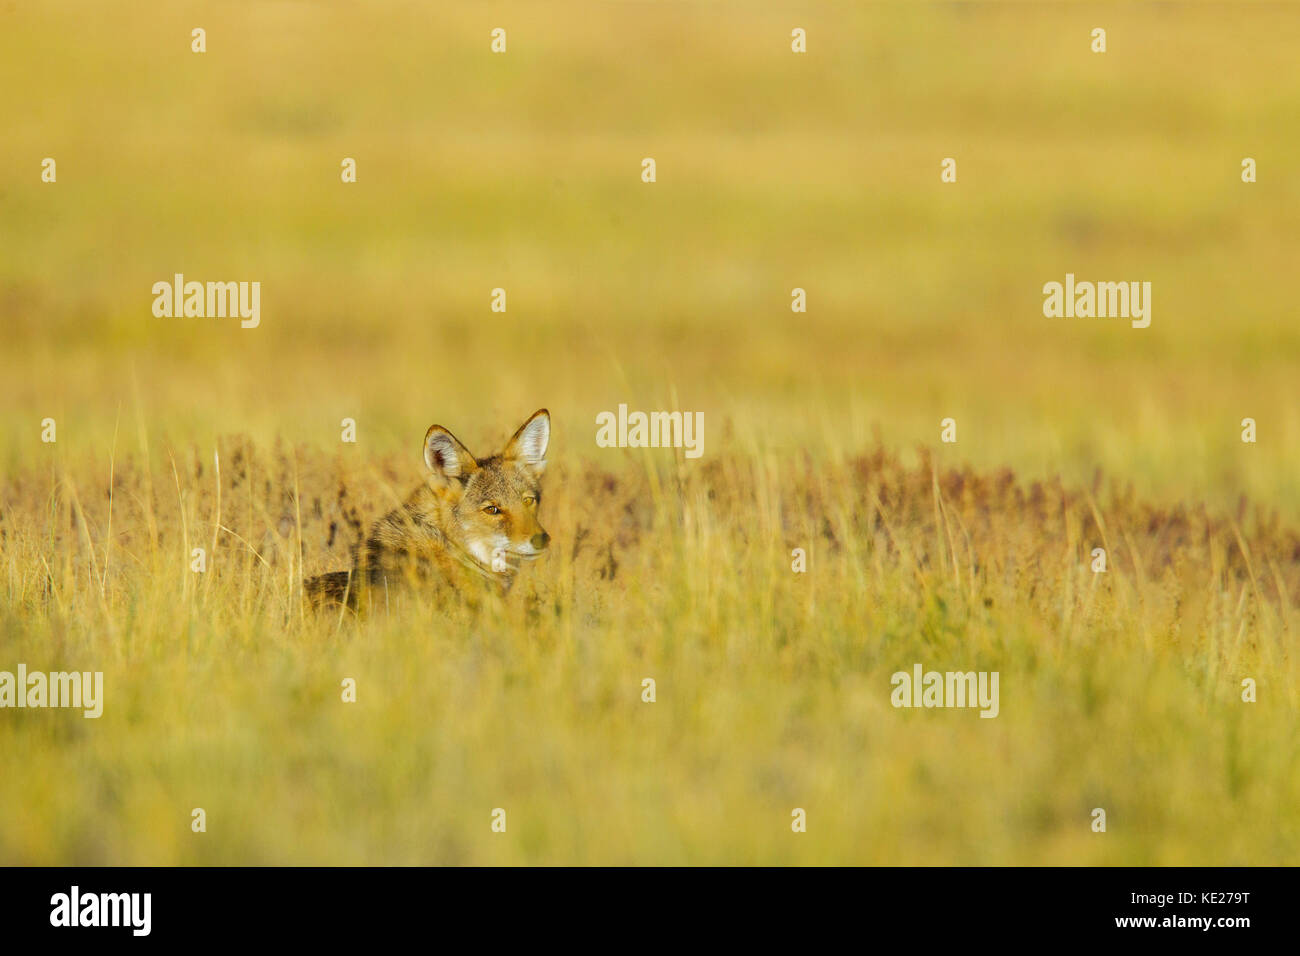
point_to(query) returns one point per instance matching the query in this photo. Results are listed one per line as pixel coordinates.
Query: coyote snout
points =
(472, 518)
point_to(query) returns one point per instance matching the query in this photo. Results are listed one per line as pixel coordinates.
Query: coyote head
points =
(492, 503)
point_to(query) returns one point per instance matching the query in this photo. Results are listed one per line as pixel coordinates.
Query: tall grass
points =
(1119, 690)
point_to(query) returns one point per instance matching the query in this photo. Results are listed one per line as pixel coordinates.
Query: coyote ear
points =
(529, 443)
(445, 455)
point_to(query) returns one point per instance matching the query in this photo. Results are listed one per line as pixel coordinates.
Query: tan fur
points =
(444, 535)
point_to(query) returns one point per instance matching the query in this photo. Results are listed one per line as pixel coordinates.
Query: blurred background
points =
(775, 171)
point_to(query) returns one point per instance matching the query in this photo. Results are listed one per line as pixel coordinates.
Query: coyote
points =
(469, 521)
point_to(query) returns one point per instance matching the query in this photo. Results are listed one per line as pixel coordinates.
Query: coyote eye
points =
(530, 500)
(492, 510)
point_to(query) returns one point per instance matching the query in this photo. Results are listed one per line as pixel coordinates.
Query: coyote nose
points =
(540, 541)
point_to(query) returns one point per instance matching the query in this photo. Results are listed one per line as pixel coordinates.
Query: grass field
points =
(522, 171)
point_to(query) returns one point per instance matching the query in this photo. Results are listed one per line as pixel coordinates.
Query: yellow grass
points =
(521, 171)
